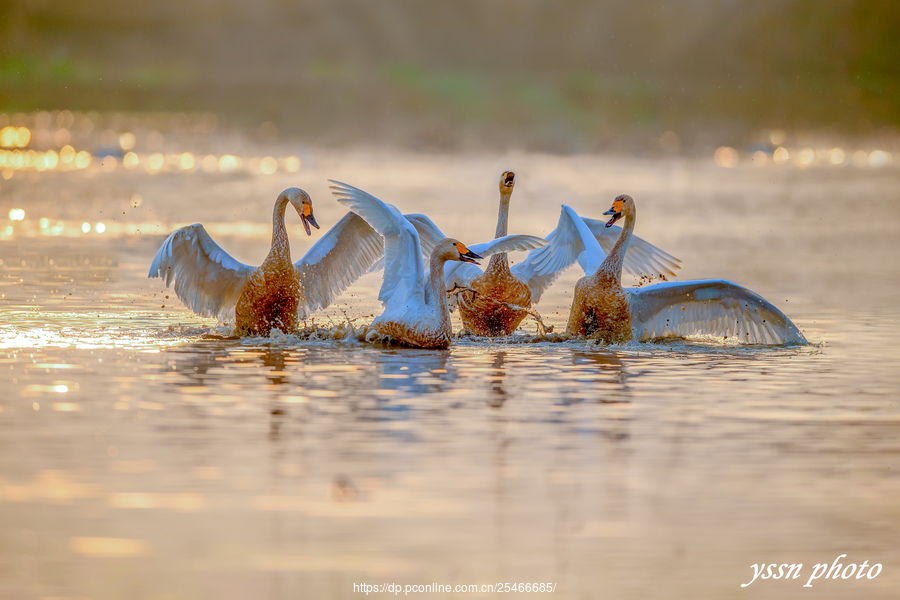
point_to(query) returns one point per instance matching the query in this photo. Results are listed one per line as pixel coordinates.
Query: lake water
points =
(142, 458)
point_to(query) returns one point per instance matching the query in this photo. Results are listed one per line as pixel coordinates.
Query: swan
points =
(276, 294)
(601, 307)
(416, 309)
(490, 310)
(504, 294)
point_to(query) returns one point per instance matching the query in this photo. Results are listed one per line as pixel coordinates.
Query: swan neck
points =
(503, 215)
(439, 289)
(499, 262)
(281, 249)
(613, 263)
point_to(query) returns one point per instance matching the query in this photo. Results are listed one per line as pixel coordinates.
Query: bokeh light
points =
(229, 163)
(130, 160)
(100, 227)
(781, 155)
(83, 159)
(806, 157)
(127, 140)
(62, 137)
(860, 158)
(17, 214)
(15, 137)
(268, 165)
(85, 227)
(777, 137)
(879, 158)
(52, 159)
(759, 158)
(186, 161)
(837, 157)
(291, 164)
(67, 155)
(726, 156)
(155, 162)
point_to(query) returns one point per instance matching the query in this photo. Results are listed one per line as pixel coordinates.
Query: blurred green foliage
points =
(559, 75)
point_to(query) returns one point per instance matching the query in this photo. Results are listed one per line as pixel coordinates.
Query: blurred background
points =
(559, 76)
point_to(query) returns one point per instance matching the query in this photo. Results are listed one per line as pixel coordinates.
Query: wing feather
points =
(508, 243)
(345, 253)
(404, 273)
(207, 279)
(641, 258)
(710, 307)
(565, 244)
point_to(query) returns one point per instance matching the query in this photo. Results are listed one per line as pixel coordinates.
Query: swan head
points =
(622, 204)
(301, 201)
(507, 183)
(451, 249)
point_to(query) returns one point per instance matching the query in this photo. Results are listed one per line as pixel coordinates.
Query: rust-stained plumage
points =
(490, 311)
(276, 294)
(600, 306)
(272, 295)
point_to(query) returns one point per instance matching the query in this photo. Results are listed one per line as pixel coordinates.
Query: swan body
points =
(602, 308)
(489, 311)
(278, 293)
(416, 310)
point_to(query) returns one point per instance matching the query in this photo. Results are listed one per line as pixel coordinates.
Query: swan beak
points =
(308, 219)
(615, 216)
(509, 178)
(469, 257)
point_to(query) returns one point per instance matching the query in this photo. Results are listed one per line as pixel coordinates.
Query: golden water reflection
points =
(143, 451)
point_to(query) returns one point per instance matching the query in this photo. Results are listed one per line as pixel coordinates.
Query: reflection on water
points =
(144, 453)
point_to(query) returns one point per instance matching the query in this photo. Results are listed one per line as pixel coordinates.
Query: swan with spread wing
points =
(602, 308)
(278, 293)
(416, 309)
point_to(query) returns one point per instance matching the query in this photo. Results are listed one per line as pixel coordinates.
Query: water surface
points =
(143, 456)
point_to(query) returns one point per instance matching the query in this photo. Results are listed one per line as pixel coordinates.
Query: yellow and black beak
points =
(306, 215)
(470, 257)
(616, 212)
(466, 255)
(509, 179)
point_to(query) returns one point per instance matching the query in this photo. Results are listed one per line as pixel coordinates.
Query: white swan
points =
(275, 295)
(601, 307)
(416, 311)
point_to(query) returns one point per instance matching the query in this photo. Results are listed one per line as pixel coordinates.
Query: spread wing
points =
(587, 241)
(404, 272)
(345, 253)
(571, 240)
(713, 307)
(207, 279)
(641, 258)
(429, 233)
